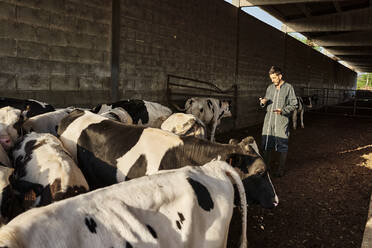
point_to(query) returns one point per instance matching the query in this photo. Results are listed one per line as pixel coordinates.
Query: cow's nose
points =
(5, 140)
(276, 201)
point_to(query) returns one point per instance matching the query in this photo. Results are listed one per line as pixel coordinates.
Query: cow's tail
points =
(178, 108)
(243, 202)
(9, 238)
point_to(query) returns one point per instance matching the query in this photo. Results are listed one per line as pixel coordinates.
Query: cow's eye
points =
(259, 172)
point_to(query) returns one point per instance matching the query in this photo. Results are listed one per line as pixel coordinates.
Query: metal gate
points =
(179, 89)
(346, 102)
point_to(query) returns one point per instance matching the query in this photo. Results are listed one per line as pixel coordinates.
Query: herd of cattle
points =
(183, 190)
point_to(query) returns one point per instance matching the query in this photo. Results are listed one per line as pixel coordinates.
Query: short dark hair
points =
(275, 70)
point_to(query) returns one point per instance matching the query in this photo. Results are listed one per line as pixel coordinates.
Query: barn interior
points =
(84, 53)
(74, 53)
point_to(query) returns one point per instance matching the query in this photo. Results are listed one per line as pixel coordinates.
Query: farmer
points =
(280, 100)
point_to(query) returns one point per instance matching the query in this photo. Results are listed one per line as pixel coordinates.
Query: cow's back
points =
(190, 207)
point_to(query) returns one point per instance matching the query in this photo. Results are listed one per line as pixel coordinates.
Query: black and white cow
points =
(11, 204)
(4, 159)
(209, 110)
(33, 107)
(43, 165)
(118, 114)
(142, 112)
(11, 121)
(188, 207)
(184, 125)
(47, 122)
(6, 194)
(303, 104)
(108, 152)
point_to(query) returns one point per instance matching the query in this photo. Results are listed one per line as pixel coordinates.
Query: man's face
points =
(275, 78)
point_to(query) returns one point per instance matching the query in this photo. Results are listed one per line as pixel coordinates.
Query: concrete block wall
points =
(193, 38)
(55, 51)
(60, 52)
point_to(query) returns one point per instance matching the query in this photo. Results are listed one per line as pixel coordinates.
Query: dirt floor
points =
(324, 196)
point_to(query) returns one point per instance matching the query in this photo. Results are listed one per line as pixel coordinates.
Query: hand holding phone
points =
(278, 111)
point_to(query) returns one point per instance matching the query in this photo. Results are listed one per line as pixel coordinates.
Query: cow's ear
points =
(25, 112)
(233, 142)
(247, 143)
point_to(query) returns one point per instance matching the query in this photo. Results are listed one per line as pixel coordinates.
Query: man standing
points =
(280, 100)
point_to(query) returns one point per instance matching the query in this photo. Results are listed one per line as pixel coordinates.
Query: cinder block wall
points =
(60, 52)
(189, 38)
(55, 51)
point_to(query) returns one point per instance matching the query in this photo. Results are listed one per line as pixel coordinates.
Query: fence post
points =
(326, 101)
(354, 109)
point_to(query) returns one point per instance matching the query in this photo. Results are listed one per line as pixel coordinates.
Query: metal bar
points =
(346, 115)
(115, 49)
(354, 108)
(348, 107)
(197, 88)
(202, 95)
(196, 80)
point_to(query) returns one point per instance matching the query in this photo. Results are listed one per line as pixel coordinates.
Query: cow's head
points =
(11, 121)
(184, 125)
(225, 108)
(253, 171)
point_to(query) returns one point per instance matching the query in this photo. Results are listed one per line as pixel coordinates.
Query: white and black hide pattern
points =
(209, 110)
(4, 159)
(303, 104)
(188, 207)
(6, 194)
(11, 121)
(43, 165)
(184, 125)
(118, 114)
(108, 152)
(32, 106)
(47, 122)
(142, 112)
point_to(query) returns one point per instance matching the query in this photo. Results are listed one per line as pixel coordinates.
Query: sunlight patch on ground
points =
(368, 162)
(356, 149)
(367, 157)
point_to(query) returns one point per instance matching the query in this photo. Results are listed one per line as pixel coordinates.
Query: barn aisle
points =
(324, 196)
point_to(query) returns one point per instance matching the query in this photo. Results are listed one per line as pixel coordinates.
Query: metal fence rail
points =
(349, 102)
(179, 89)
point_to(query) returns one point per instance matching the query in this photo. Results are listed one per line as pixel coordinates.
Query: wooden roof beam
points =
(362, 38)
(350, 50)
(354, 20)
(250, 3)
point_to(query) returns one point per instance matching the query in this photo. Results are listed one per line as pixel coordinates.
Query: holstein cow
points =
(209, 110)
(303, 104)
(184, 125)
(6, 195)
(47, 122)
(11, 121)
(109, 152)
(118, 114)
(142, 112)
(4, 159)
(43, 165)
(189, 207)
(34, 107)
(11, 204)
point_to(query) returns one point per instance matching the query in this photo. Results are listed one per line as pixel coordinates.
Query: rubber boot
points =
(282, 161)
(266, 155)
